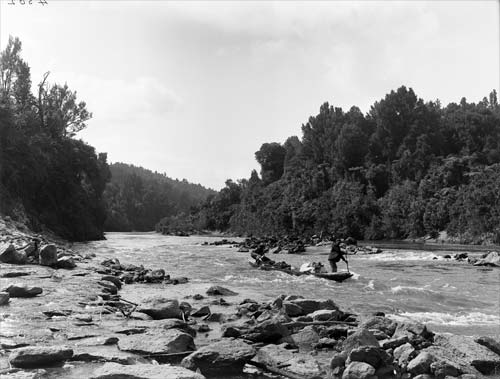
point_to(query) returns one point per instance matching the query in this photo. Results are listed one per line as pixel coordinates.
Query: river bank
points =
(78, 316)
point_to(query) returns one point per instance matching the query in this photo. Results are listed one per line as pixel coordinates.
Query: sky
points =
(193, 89)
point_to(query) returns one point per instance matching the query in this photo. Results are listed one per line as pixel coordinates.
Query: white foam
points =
(370, 285)
(409, 289)
(403, 256)
(456, 319)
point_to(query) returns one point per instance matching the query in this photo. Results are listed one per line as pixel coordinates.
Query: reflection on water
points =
(418, 285)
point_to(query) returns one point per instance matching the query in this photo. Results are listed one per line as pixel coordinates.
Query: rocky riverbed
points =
(79, 326)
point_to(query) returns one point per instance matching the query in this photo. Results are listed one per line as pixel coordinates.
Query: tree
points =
(271, 158)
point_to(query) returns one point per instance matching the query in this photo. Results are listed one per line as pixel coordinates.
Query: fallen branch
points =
(276, 370)
(166, 355)
(306, 323)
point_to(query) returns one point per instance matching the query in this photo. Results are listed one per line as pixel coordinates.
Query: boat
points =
(336, 276)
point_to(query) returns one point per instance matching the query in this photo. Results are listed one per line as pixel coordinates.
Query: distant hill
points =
(137, 198)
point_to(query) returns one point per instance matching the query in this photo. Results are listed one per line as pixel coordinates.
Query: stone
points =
(220, 291)
(66, 263)
(144, 371)
(215, 317)
(372, 355)
(292, 363)
(48, 255)
(490, 343)
(159, 308)
(19, 290)
(461, 351)
(226, 357)
(156, 342)
(155, 276)
(412, 330)
(362, 337)
(19, 374)
(4, 298)
(486, 367)
(492, 259)
(338, 360)
(9, 254)
(359, 370)
(269, 331)
(91, 354)
(203, 311)
(312, 305)
(35, 357)
(421, 364)
(291, 309)
(326, 315)
(108, 287)
(113, 279)
(442, 369)
(306, 338)
(403, 354)
(383, 324)
(230, 331)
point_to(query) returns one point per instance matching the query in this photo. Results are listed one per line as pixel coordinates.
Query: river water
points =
(447, 295)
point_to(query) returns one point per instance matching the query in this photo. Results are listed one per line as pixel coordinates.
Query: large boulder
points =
(421, 364)
(372, 355)
(291, 309)
(490, 343)
(362, 337)
(306, 338)
(19, 290)
(312, 305)
(463, 352)
(157, 342)
(492, 259)
(48, 255)
(67, 263)
(34, 357)
(220, 291)
(403, 354)
(359, 370)
(226, 357)
(269, 331)
(383, 324)
(292, 363)
(159, 308)
(144, 371)
(442, 369)
(326, 315)
(9, 254)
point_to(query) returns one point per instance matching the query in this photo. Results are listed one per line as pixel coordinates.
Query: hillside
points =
(137, 198)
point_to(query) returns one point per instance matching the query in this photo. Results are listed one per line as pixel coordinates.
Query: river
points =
(447, 295)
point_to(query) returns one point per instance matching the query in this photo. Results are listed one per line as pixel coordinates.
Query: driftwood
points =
(167, 355)
(276, 370)
(306, 323)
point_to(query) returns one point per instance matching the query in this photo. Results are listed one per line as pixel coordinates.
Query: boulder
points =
(421, 364)
(203, 311)
(490, 343)
(155, 276)
(442, 369)
(326, 315)
(362, 337)
(19, 290)
(359, 370)
(394, 342)
(292, 363)
(144, 371)
(157, 342)
(306, 338)
(462, 351)
(9, 254)
(403, 354)
(108, 287)
(91, 354)
(226, 357)
(4, 298)
(412, 330)
(291, 309)
(66, 263)
(486, 367)
(34, 357)
(230, 331)
(311, 305)
(220, 291)
(48, 255)
(159, 308)
(492, 259)
(372, 355)
(383, 324)
(270, 331)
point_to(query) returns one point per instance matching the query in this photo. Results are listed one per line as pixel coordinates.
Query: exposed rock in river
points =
(144, 371)
(33, 357)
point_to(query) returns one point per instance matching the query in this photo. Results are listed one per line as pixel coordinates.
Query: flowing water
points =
(447, 295)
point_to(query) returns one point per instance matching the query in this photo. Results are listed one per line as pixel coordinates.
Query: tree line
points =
(406, 169)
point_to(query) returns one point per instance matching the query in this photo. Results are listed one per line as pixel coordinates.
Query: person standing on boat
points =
(336, 254)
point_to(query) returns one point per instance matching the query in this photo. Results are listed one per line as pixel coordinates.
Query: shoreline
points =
(96, 331)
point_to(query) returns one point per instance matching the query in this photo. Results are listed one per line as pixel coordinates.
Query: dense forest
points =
(406, 169)
(48, 179)
(136, 198)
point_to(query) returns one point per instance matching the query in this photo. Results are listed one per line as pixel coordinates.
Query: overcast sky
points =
(193, 89)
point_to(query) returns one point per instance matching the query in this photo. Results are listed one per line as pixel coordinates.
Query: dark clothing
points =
(336, 254)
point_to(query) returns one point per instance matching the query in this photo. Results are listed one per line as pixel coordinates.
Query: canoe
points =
(336, 276)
